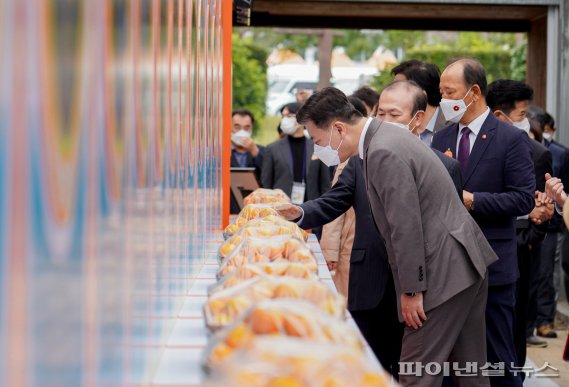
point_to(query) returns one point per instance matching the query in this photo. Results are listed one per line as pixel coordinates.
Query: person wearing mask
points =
(509, 100)
(556, 241)
(245, 153)
(368, 97)
(427, 76)
(437, 254)
(289, 163)
(404, 103)
(498, 186)
(338, 235)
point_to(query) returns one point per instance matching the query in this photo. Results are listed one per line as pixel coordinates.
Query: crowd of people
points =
(441, 199)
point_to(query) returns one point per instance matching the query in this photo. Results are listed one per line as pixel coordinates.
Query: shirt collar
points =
(363, 136)
(431, 125)
(476, 124)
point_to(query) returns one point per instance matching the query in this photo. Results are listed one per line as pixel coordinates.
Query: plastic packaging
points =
(254, 270)
(271, 361)
(264, 195)
(226, 306)
(249, 212)
(267, 226)
(279, 248)
(282, 318)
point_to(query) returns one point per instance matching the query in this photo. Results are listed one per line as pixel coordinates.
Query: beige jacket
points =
(337, 240)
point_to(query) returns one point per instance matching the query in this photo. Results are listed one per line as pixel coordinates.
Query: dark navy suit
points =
(500, 173)
(371, 292)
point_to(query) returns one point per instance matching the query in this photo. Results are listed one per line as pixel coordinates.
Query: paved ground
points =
(538, 357)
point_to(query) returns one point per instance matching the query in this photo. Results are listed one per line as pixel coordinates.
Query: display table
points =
(180, 363)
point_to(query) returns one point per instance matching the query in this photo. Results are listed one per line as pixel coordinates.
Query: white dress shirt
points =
(362, 138)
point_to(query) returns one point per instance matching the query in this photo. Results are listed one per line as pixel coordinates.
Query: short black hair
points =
(426, 75)
(326, 105)
(367, 95)
(358, 104)
(243, 112)
(292, 107)
(504, 93)
(541, 116)
(420, 97)
(474, 74)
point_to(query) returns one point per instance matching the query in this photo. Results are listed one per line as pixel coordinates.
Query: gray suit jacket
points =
(277, 171)
(433, 244)
(440, 121)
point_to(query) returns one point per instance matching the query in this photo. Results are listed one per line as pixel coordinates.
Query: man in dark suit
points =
(556, 241)
(245, 153)
(404, 103)
(498, 186)
(427, 76)
(509, 101)
(437, 254)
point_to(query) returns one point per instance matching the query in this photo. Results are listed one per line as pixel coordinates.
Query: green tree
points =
(249, 76)
(518, 64)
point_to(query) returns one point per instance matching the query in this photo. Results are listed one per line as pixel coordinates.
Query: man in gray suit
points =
(437, 253)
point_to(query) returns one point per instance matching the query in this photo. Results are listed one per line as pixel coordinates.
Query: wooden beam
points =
(536, 65)
(397, 10)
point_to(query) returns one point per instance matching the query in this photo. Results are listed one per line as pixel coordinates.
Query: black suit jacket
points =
(368, 262)
(500, 173)
(277, 169)
(532, 234)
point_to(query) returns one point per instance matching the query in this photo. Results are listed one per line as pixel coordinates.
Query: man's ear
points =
(420, 117)
(501, 116)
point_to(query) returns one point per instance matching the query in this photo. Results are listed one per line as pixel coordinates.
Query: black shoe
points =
(546, 331)
(534, 342)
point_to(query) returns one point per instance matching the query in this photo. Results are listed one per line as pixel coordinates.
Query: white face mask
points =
(548, 136)
(523, 125)
(453, 109)
(239, 135)
(403, 126)
(326, 154)
(288, 125)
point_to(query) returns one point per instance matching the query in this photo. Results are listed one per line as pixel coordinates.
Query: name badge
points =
(297, 196)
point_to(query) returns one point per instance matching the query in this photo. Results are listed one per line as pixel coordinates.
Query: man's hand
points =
(249, 145)
(412, 310)
(332, 265)
(467, 199)
(554, 189)
(543, 210)
(289, 211)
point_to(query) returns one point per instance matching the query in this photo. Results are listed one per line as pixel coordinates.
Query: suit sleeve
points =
(267, 172)
(543, 165)
(456, 176)
(393, 185)
(332, 203)
(535, 234)
(519, 184)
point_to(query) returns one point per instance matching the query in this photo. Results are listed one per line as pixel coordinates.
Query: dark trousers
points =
(526, 297)
(546, 289)
(500, 312)
(522, 303)
(381, 328)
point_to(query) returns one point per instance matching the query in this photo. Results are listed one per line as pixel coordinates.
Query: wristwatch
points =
(413, 294)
